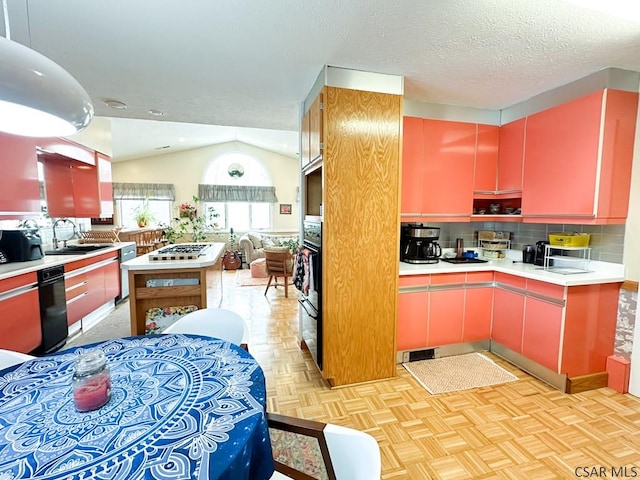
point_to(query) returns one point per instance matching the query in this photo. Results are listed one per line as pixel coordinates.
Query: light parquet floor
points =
(518, 430)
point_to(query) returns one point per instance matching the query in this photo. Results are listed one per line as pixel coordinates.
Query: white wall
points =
(186, 170)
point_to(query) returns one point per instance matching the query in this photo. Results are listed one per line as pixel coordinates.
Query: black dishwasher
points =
(53, 309)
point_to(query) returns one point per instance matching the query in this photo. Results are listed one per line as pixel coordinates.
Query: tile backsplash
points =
(607, 241)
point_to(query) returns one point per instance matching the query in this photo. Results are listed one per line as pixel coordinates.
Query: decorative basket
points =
(568, 239)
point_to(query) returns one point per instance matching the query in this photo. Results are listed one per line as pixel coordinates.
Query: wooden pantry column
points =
(362, 135)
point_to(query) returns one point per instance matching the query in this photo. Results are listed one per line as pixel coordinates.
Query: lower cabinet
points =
(88, 286)
(541, 332)
(413, 310)
(478, 308)
(508, 316)
(20, 328)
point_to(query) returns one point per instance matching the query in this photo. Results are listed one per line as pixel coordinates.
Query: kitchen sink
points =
(75, 249)
(463, 260)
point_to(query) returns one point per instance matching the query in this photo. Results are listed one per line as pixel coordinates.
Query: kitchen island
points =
(168, 283)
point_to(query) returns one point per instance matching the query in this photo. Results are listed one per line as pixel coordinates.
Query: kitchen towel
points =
(458, 372)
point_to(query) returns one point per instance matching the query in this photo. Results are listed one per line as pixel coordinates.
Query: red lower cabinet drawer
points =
(20, 328)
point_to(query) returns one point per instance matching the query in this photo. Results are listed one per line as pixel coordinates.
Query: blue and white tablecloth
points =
(182, 406)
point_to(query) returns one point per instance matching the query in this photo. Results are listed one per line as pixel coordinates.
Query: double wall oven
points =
(311, 293)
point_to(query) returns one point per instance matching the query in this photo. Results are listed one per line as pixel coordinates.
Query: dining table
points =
(181, 407)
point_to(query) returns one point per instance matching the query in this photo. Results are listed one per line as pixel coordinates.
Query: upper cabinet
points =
(311, 133)
(72, 188)
(578, 158)
(486, 166)
(511, 157)
(19, 179)
(78, 180)
(438, 169)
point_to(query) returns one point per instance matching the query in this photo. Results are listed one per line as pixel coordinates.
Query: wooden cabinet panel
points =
(19, 179)
(20, 328)
(511, 156)
(486, 165)
(105, 181)
(541, 332)
(413, 166)
(478, 308)
(508, 314)
(315, 129)
(446, 317)
(305, 132)
(561, 158)
(413, 308)
(449, 155)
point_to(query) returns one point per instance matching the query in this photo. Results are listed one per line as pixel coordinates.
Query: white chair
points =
(9, 358)
(347, 454)
(213, 322)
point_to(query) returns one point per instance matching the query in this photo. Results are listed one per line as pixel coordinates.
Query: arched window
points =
(241, 171)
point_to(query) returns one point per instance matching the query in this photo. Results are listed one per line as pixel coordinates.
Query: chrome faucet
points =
(59, 222)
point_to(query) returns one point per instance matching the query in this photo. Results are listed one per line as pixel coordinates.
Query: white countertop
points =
(210, 257)
(13, 269)
(603, 272)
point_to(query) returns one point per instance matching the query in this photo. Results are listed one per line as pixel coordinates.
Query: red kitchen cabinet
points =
(541, 332)
(446, 317)
(449, 154)
(72, 188)
(90, 283)
(105, 180)
(486, 165)
(437, 169)
(413, 309)
(413, 166)
(511, 157)
(20, 328)
(578, 158)
(508, 315)
(446, 309)
(478, 308)
(19, 180)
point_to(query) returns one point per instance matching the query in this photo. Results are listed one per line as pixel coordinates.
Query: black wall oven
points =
(311, 293)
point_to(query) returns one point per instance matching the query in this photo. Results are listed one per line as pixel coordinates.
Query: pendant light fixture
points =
(38, 98)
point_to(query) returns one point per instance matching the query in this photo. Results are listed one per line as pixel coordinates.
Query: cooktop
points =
(463, 260)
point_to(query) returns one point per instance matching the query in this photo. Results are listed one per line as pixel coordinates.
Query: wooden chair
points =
(278, 264)
(144, 242)
(303, 448)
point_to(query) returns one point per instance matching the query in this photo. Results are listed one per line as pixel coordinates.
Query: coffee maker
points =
(418, 243)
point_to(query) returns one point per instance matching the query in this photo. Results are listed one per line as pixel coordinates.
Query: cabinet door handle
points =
(75, 299)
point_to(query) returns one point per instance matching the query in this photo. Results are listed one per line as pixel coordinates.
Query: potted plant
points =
(188, 221)
(143, 214)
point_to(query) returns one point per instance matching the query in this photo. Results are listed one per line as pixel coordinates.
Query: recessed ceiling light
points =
(163, 147)
(157, 113)
(115, 104)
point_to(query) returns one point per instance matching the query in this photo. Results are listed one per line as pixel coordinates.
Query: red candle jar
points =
(91, 381)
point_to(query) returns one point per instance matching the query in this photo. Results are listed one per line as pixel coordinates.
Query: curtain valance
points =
(236, 193)
(137, 191)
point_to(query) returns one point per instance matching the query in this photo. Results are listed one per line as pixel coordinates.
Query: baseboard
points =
(404, 356)
(584, 383)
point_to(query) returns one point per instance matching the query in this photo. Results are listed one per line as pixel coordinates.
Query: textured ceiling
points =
(251, 63)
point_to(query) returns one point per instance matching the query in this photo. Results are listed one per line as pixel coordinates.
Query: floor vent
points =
(416, 355)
